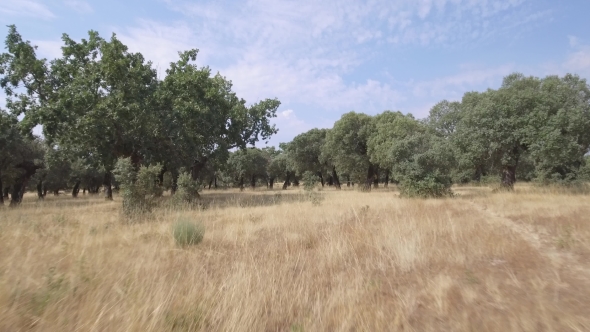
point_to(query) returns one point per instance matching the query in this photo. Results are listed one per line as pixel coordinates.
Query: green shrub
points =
(427, 187)
(309, 180)
(187, 233)
(138, 187)
(187, 191)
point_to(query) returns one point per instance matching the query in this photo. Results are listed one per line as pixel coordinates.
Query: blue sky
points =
(325, 58)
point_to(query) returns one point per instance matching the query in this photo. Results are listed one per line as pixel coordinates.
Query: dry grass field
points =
(482, 261)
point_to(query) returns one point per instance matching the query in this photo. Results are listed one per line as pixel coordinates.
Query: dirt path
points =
(558, 258)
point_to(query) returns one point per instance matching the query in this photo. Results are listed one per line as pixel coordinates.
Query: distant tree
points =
(203, 118)
(305, 152)
(346, 143)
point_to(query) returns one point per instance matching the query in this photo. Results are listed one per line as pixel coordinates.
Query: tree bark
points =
(477, 174)
(20, 185)
(287, 181)
(174, 183)
(386, 185)
(15, 196)
(76, 189)
(348, 180)
(335, 178)
(241, 184)
(108, 186)
(370, 178)
(271, 183)
(6, 192)
(210, 183)
(40, 189)
(253, 182)
(508, 177)
(1, 191)
(215, 181)
(197, 167)
(321, 178)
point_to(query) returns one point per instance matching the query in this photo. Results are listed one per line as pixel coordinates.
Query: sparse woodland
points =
(201, 230)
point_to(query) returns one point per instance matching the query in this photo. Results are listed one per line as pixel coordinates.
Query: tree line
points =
(99, 103)
(106, 117)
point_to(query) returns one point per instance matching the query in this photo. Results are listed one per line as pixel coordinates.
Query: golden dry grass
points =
(356, 262)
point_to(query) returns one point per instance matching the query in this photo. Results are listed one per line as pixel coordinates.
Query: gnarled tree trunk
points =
(287, 182)
(76, 189)
(20, 185)
(108, 186)
(370, 178)
(508, 177)
(321, 178)
(335, 178)
(40, 189)
(241, 184)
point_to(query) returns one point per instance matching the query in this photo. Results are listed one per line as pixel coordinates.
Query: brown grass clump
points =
(269, 262)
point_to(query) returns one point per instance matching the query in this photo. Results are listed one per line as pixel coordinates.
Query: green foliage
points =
(346, 144)
(305, 152)
(429, 186)
(310, 180)
(138, 188)
(186, 232)
(188, 189)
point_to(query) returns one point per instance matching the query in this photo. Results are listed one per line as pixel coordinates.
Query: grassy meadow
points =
(272, 261)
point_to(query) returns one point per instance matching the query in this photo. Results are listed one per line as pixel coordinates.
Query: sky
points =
(325, 58)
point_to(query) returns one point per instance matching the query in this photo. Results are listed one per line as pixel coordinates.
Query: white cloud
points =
(578, 62)
(49, 49)
(26, 8)
(161, 43)
(80, 6)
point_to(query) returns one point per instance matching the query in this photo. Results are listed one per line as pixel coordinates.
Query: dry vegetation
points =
(270, 262)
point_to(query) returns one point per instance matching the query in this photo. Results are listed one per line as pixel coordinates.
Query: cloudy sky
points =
(325, 58)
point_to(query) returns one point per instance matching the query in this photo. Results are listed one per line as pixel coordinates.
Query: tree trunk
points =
(84, 191)
(330, 180)
(210, 183)
(335, 178)
(508, 177)
(40, 189)
(287, 181)
(6, 192)
(15, 196)
(20, 185)
(295, 181)
(108, 186)
(477, 174)
(76, 189)
(370, 178)
(215, 181)
(56, 192)
(197, 167)
(348, 180)
(271, 183)
(386, 185)
(45, 192)
(321, 178)
(253, 182)
(1, 191)
(174, 183)
(241, 184)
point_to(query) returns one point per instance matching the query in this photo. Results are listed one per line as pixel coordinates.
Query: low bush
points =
(186, 232)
